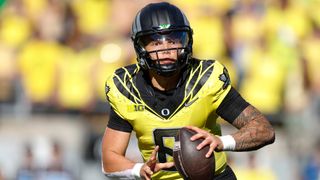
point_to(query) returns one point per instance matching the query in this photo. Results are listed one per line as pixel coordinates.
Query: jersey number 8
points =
(159, 136)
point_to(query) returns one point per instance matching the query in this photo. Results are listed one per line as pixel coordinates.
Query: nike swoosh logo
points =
(187, 104)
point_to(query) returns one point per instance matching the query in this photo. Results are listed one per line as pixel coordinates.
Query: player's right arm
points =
(114, 145)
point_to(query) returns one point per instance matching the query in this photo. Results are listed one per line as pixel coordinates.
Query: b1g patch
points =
(135, 108)
(224, 77)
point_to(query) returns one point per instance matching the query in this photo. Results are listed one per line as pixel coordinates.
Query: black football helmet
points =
(162, 21)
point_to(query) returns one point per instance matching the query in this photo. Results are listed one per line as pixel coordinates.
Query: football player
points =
(168, 89)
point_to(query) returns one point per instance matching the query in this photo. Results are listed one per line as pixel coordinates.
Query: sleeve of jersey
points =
(226, 100)
(231, 106)
(220, 84)
(117, 123)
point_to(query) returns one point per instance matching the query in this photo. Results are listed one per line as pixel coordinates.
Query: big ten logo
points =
(136, 107)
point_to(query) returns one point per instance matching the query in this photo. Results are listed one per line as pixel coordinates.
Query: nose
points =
(166, 46)
(165, 53)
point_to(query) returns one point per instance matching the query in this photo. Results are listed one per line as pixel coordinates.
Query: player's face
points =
(165, 47)
(164, 50)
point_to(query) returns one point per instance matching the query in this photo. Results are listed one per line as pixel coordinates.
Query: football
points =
(190, 162)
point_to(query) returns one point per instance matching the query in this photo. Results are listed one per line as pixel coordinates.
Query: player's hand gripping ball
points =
(190, 162)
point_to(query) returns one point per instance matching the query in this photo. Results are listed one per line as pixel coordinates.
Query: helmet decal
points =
(164, 26)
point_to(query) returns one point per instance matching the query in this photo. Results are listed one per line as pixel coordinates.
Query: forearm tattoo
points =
(255, 131)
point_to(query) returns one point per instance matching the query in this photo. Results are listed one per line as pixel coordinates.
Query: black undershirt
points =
(230, 108)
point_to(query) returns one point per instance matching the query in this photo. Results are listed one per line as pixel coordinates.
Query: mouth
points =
(167, 61)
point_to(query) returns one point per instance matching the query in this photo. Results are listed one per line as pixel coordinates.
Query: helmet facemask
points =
(170, 52)
(162, 22)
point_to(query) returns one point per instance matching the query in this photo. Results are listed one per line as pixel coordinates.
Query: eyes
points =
(160, 44)
(168, 41)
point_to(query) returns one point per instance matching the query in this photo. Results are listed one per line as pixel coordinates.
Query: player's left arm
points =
(255, 131)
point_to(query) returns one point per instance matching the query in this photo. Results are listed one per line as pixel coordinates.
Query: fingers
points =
(198, 136)
(196, 129)
(147, 172)
(212, 145)
(153, 158)
(151, 166)
(205, 142)
(200, 133)
(211, 149)
(154, 152)
(161, 166)
(148, 168)
(208, 139)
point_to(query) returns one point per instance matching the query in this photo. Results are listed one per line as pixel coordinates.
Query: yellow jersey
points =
(193, 103)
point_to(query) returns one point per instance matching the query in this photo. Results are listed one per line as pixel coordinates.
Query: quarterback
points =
(169, 89)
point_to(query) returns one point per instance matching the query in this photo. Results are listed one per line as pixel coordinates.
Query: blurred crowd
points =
(55, 56)
(55, 169)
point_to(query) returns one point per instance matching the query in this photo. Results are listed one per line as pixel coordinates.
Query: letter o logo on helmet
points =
(157, 19)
